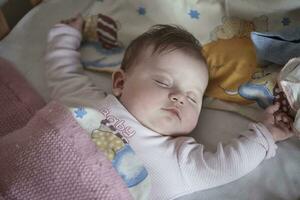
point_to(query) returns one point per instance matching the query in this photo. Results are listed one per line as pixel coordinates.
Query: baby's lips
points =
(175, 111)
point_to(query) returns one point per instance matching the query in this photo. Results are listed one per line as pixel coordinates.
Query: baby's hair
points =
(162, 38)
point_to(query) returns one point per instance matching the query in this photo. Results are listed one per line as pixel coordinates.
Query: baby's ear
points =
(118, 80)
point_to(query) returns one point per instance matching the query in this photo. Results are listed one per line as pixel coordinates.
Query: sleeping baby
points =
(143, 126)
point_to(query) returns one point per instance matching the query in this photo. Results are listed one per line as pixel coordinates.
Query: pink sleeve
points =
(203, 169)
(65, 75)
(262, 136)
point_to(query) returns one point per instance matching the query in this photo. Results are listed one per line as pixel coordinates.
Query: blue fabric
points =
(277, 47)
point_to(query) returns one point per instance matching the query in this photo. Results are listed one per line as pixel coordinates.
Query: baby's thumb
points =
(273, 108)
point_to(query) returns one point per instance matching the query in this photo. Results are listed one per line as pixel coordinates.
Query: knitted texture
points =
(52, 157)
(18, 100)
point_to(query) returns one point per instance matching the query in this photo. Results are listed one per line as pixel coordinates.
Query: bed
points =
(276, 178)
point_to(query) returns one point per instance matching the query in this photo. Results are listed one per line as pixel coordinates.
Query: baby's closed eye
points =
(162, 83)
(193, 99)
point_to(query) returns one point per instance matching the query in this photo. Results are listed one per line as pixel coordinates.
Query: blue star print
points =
(286, 21)
(194, 14)
(141, 10)
(80, 112)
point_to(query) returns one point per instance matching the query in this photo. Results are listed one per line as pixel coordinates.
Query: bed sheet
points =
(277, 178)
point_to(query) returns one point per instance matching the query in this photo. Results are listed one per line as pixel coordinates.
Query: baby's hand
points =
(278, 123)
(75, 22)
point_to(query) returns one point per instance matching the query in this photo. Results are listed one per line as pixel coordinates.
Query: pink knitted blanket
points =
(52, 157)
(18, 100)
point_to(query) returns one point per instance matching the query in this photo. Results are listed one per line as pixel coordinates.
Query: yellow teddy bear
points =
(231, 58)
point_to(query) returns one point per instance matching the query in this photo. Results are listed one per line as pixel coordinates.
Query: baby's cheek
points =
(191, 120)
(143, 105)
(153, 98)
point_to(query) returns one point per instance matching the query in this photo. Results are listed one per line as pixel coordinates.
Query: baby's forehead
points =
(178, 60)
(172, 61)
(185, 70)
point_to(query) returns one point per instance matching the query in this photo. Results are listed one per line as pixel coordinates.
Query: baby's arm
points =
(203, 170)
(64, 72)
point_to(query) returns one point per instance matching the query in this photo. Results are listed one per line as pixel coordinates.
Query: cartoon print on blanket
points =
(101, 50)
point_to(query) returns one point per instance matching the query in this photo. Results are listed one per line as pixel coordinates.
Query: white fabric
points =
(131, 18)
(177, 160)
(289, 81)
(136, 16)
(277, 178)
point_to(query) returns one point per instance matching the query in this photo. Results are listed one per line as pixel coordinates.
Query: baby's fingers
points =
(75, 22)
(283, 117)
(286, 130)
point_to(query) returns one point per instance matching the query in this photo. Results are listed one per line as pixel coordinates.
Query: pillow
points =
(123, 20)
(11, 11)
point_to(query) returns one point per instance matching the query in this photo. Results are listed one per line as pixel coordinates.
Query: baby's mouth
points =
(174, 111)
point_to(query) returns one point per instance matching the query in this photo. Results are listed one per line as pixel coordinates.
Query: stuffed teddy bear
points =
(232, 62)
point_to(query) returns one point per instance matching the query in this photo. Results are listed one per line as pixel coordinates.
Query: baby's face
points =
(164, 92)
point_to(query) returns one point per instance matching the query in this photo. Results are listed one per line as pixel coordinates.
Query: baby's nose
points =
(177, 97)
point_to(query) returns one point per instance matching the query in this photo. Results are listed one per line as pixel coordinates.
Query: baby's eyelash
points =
(192, 99)
(162, 83)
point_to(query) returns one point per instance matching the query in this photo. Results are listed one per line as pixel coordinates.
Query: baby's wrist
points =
(270, 128)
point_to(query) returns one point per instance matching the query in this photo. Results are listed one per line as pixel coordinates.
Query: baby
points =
(156, 102)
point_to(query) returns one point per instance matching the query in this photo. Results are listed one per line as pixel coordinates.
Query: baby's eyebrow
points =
(164, 74)
(196, 91)
(200, 91)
